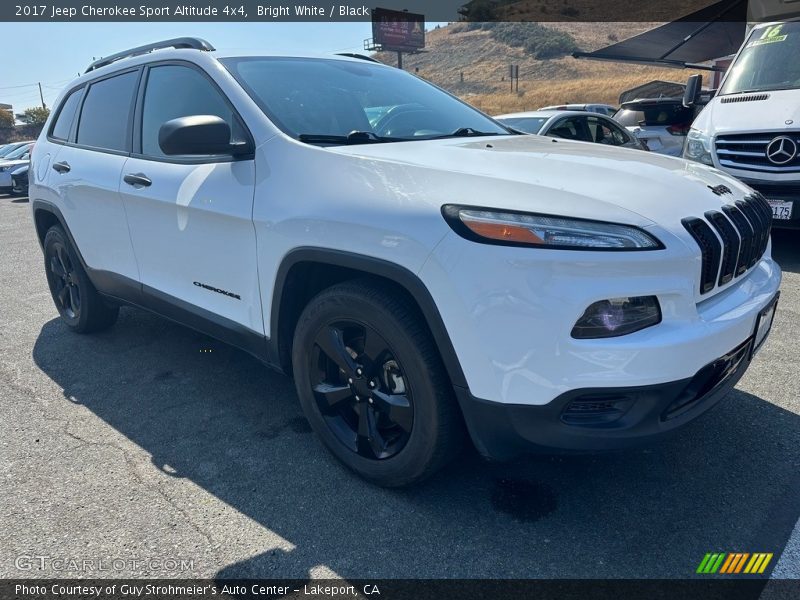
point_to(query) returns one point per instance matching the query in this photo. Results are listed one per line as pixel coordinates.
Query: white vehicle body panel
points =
(193, 226)
(90, 201)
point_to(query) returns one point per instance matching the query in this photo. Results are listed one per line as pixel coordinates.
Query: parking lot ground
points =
(150, 441)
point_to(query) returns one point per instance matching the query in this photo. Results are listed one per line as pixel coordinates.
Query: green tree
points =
(36, 115)
(6, 119)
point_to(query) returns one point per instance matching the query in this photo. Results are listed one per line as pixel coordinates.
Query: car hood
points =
(539, 174)
(771, 114)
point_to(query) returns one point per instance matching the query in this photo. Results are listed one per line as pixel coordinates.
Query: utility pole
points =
(41, 96)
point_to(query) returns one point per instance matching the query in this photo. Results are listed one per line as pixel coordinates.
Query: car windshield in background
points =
(6, 150)
(767, 62)
(526, 124)
(18, 153)
(327, 101)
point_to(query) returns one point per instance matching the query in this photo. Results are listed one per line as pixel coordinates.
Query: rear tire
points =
(372, 384)
(80, 305)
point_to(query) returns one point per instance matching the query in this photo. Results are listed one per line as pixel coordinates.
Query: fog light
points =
(617, 316)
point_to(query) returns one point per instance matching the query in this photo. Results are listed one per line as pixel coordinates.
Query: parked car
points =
(13, 160)
(751, 128)
(571, 125)
(424, 277)
(7, 149)
(661, 123)
(603, 109)
(19, 181)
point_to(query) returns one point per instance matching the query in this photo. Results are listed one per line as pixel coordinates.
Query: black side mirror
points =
(692, 92)
(198, 135)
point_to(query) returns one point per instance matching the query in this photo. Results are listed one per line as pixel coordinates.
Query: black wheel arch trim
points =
(369, 266)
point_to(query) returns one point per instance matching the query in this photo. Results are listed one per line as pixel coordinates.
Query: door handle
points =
(137, 180)
(61, 167)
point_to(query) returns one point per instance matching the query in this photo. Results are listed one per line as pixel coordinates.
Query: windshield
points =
(526, 124)
(7, 149)
(334, 101)
(18, 153)
(767, 62)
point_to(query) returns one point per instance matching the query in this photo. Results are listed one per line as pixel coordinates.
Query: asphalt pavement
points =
(174, 455)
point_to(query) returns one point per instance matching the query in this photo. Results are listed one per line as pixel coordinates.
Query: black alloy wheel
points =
(81, 307)
(361, 390)
(64, 281)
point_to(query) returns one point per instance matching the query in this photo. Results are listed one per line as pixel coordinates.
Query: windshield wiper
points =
(354, 137)
(466, 132)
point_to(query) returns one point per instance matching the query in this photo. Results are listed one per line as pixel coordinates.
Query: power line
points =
(13, 87)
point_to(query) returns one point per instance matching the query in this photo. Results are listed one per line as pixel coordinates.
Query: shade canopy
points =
(713, 32)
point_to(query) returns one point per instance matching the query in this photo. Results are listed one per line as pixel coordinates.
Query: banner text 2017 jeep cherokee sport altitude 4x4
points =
(420, 270)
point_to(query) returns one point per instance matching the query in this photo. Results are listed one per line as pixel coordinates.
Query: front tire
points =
(81, 308)
(372, 384)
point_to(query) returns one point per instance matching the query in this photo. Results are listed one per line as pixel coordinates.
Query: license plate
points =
(782, 211)
(764, 323)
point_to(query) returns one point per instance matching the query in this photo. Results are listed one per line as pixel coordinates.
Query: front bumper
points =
(601, 418)
(784, 192)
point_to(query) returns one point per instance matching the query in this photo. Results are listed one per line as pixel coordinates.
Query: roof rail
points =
(182, 42)
(358, 56)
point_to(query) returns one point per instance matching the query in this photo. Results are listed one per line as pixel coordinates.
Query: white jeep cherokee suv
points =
(420, 270)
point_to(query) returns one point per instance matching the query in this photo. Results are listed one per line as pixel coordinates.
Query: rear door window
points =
(106, 113)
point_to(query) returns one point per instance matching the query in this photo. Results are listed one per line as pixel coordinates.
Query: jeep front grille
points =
(748, 151)
(734, 241)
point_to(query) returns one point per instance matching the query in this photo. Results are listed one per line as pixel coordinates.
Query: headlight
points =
(698, 147)
(617, 316)
(509, 228)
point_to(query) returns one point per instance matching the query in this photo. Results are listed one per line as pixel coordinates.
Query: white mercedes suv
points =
(424, 273)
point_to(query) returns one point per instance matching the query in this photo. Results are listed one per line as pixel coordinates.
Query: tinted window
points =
(655, 115)
(628, 117)
(66, 116)
(106, 113)
(173, 92)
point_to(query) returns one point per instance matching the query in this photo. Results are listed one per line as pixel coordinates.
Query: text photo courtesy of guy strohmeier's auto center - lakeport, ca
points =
(455, 299)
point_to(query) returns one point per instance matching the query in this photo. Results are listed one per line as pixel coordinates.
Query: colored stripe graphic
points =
(758, 563)
(734, 563)
(729, 563)
(711, 563)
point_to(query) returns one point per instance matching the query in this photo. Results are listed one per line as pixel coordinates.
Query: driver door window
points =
(175, 91)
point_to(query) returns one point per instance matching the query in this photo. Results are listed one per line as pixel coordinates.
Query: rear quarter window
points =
(66, 116)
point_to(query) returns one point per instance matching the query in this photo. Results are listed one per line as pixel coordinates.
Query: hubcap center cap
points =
(360, 388)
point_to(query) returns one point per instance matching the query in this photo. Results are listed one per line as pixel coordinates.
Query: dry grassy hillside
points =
(452, 52)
